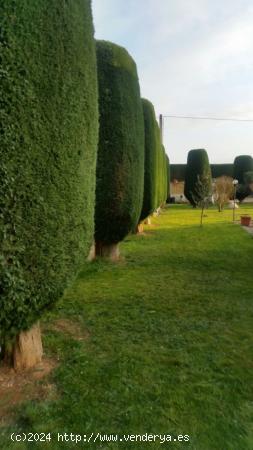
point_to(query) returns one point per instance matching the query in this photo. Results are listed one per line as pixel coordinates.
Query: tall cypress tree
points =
(161, 172)
(120, 164)
(149, 204)
(197, 167)
(168, 177)
(158, 166)
(48, 141)
(165, 176)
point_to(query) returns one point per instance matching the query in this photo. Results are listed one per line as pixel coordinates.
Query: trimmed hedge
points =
(220, 170)
(168, 178)
(48, 129)
(159, 168)
(164, 175)
(197, 166)
(149, 204)
(177, 172)
(120, 164)
(242, 164)
(161, 171)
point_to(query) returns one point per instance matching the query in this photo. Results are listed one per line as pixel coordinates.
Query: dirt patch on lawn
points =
(17, 387)
(71, 328)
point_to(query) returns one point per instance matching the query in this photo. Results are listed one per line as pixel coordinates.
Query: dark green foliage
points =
(197, 167)
(248, 178)
(177, 172)
(48, 138)
(158, 166)
(161, 171)
(149, 201)
(242, 164)
(220, 170)
(156, 186)
(244, 189)
(168, 177)
(120, 165)
(164, 176)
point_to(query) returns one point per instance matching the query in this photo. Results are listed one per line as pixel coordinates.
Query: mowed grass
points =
(168, 345)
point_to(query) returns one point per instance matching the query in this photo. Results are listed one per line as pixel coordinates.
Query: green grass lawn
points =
(168, 341)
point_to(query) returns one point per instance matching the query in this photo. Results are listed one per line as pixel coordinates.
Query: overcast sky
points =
(194, 57)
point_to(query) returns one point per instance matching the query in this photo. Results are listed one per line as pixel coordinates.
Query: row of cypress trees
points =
(131, 166)
(54, 159)
(242, 163)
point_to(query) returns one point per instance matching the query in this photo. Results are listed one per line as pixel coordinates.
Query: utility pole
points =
(161, 126)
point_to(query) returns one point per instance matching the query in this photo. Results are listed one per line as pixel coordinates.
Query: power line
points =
(207, 118)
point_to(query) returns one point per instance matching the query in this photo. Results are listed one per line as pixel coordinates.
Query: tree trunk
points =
(139, 228)
(7, 354)
(108, 251)
(27, 349)
(92, 253)
(201, 218)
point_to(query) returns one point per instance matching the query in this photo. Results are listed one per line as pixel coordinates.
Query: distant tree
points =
(242, 191)
(223, 191)
(242, 164)
(202, 194)
(248, 180)
(246, 188)
(197, 169)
